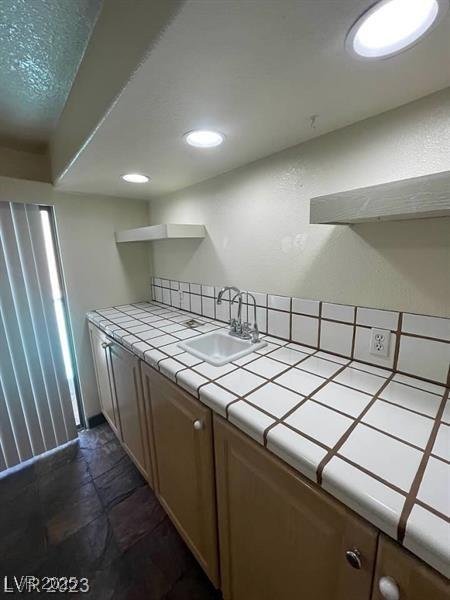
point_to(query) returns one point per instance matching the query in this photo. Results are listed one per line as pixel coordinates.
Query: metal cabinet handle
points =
(389, 588)
(198, 425)
(353, 557)
(106, 345)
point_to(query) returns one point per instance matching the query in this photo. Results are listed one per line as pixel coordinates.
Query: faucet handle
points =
(246, 331)
(255, 333)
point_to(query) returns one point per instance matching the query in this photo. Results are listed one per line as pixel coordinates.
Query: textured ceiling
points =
(42, 44)
(268, 74)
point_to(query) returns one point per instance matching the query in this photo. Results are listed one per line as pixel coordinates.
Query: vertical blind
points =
(35, 406)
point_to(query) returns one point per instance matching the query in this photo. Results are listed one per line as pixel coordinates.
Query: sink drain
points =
(192, 323)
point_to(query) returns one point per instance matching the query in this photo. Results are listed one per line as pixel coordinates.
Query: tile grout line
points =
(398, 338)
(319, 330)
(414, 489)
(345, 305)
(407, 408)
(290, 319)
(186, 367)
(433, 510)
(157, 348)
(236, 368)
(398, 333)
(242, 397)
(304, 399)
(271, 380)
(352, 350)
(438, 421)
(333, 451)
(245, 399)
(369, 473)
(163, 332)
(391, 435)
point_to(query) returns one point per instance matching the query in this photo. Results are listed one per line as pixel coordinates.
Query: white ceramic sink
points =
(219, 347)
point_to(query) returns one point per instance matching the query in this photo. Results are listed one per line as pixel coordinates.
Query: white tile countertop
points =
(377, 440)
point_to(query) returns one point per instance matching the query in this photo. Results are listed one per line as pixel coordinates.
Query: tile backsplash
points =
(419, 344)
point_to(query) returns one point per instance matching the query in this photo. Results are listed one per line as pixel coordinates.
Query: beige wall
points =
(24, 165)
(257, 219)
(97, 271)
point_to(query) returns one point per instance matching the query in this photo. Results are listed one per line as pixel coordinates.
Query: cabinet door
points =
(399, 574)
(129, 401)
(100, 353)
(184, 466)
(280, 536)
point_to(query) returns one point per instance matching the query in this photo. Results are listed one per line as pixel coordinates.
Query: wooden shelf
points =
(415, 198)
(160, 232)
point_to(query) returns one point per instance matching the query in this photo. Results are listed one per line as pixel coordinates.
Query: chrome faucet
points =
(235, 324)
(255, 331)
(226, 289)
(237, 327)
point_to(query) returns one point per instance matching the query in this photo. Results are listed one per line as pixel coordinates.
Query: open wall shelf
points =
(415, 198)
(160, 232)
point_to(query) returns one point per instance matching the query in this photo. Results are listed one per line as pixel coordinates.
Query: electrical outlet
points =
(379, 342)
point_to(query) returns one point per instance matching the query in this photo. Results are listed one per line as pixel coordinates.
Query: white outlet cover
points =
(380, 340)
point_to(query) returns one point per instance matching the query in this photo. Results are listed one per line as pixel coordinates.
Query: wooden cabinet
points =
(127, 389)
(182, 448)
(120, 395)
(102, 364)
(280, 536)
(399, 571)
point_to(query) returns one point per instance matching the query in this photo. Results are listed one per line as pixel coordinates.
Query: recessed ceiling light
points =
(391, 26)
(204, 138)
(135, 178)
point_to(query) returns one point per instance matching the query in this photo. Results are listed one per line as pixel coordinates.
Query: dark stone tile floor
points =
(85, 511)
